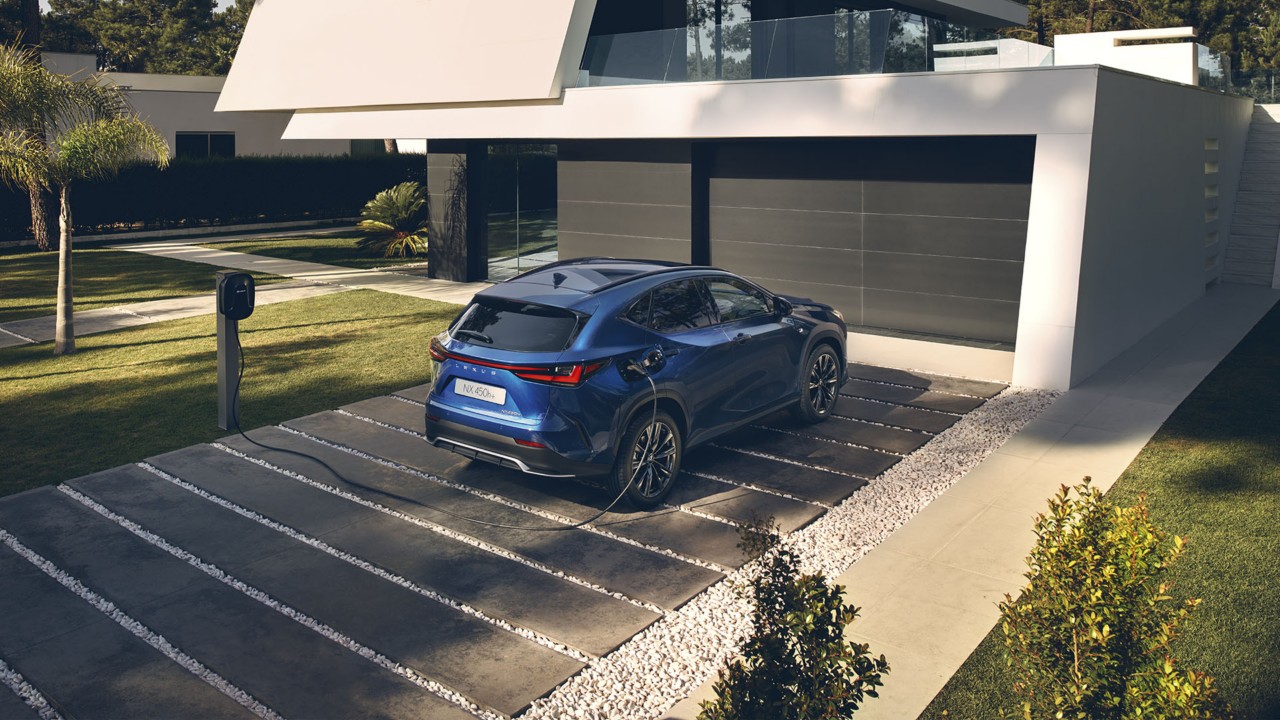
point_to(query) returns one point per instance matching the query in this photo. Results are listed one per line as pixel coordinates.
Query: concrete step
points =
(1265, 188)
(1254, 242)
(1248, 267)
(1260, 230)
(289, 667)
(1257, 196)
(1263, 256)
(1242, 279)
(1259, 181)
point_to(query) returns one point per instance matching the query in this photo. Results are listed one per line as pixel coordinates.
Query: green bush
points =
(1089, 638)
(395, 222)
(797, 664)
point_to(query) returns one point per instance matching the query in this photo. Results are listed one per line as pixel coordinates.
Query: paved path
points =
(382, 281)
(929, 592)
(313, 596)
(89, 322)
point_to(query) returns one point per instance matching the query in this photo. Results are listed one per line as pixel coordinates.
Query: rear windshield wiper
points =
(476, 335)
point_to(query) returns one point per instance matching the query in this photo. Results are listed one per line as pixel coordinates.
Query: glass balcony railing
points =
(847, 43)
(1214, 69)
(1260, 84)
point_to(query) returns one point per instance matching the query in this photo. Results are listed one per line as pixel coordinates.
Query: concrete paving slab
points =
(896, 415)
(992, 544)
(811, 451)
(87, 665)
(927, 381)
(417, 393)
(633, 571)
(913, 397)
(741, 505)
(570, 613)
(855, 432)
(808, 483)
(1035, 439)
(9, 339)
(285, 665)
(491, 665)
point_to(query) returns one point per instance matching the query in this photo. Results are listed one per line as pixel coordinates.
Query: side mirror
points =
(782, 306)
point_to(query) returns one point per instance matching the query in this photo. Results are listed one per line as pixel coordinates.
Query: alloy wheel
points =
(653, 456)
(824, 378)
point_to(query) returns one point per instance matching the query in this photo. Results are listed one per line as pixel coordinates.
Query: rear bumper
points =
(504, 452)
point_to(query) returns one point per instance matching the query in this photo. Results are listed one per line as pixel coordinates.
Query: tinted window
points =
(524, 327)
(736, 300)
(639, 311)
(679, 306)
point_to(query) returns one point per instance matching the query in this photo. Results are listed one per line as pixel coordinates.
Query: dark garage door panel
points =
(665, 221)
(1003, 201)
(949, 276)
(788, 262)
(845, 298)
(799, 194)
(576, 244)
(767, 225)
(947, 236)
(941, 315)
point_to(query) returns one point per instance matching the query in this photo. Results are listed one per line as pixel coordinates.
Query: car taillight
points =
(529, 443)
(571, 374)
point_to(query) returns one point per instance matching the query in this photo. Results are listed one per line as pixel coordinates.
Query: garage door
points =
(923, 235)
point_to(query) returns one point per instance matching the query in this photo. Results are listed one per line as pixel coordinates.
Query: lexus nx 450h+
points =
(616, 368)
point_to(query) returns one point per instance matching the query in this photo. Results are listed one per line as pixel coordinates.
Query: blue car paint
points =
(712, 383)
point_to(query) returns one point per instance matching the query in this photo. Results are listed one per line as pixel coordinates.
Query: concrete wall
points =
(1147, 247)
(625, 199)
(256, 133)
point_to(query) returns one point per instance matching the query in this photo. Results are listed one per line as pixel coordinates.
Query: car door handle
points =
(741, 338)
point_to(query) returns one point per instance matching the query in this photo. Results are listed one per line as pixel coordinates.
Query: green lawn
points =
(1211, 475)
(328, 250)
(103, 278)
(130, 394)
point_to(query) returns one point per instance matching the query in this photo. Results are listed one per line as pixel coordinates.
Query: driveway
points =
(233, 580)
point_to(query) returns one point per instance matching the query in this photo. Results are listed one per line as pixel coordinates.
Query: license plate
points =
(480, 391)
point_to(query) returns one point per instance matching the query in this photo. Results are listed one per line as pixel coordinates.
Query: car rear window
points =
(522, 327)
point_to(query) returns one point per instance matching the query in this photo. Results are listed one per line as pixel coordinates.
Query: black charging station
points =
(234, 301)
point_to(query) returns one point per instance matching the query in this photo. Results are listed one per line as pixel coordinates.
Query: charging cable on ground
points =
(235, 421)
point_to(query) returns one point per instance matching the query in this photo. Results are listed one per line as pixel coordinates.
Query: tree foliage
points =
(1247, 30)
(797, 664)
(1089, 639)
(395, 221)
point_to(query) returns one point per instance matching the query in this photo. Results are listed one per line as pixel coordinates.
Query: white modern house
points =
(181, 108)
(973, 204)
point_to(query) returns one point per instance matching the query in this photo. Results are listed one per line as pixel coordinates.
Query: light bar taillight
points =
(571, 374)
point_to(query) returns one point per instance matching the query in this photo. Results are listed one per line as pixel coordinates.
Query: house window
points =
(205, 144)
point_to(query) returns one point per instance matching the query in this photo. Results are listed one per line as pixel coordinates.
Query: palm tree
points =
(28, 103)
(85, 131)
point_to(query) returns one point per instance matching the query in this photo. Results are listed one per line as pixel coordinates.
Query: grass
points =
(327, 250)
(134, 393)
(1211, 475)
(102, 278)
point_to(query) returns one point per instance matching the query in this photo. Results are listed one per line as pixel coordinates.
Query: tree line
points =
(177, 37)
(1246, 30)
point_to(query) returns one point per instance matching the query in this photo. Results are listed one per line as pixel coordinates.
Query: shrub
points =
(1089, 638)
(395, 221)
(797, 664)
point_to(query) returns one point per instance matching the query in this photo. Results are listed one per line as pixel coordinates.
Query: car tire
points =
(819, 385)
(648, 459)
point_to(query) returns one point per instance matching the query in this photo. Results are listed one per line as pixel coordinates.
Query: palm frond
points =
(24, 160)
(100, 148)
(400, 208)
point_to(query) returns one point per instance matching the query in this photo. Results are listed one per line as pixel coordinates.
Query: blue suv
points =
(556, 372)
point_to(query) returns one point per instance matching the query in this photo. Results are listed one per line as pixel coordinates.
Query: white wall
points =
(256, 133)
(1176, 62)
(1144, 246)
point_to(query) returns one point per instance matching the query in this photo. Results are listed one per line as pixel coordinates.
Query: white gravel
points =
(28, 694)
(644, 677)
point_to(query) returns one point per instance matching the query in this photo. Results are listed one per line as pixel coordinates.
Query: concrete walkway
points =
(928, 593)
(90, 322)
(390, 282)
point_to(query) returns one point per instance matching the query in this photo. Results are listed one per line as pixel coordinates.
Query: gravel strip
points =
(26, 693)
(673, 657)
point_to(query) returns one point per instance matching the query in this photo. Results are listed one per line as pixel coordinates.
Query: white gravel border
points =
(26, 693)
(146, 634)
(673, 657)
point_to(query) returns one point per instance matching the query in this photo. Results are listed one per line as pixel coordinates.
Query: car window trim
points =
(768, 298)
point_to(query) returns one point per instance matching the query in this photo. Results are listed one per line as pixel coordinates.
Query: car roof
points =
(568, 282)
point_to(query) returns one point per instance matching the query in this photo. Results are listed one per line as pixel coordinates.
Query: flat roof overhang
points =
(976, 13)
(1024, 101)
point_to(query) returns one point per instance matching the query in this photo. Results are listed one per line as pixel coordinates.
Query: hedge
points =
(222, 191)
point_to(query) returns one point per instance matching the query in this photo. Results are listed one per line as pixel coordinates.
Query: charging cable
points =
(235, 421)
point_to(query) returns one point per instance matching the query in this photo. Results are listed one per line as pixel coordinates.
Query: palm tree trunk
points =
(64, 337)
(391, 147)
(39, 221)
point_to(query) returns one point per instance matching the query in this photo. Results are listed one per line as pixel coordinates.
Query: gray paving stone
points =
(857, 432)
(811, 451)
(928, 381)
(896, 415)
(417, 393)
(913, 397)
(635, 572)
(290, 668)
(742, 505)
(88, 666)
(808, 483)
(577, 616)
